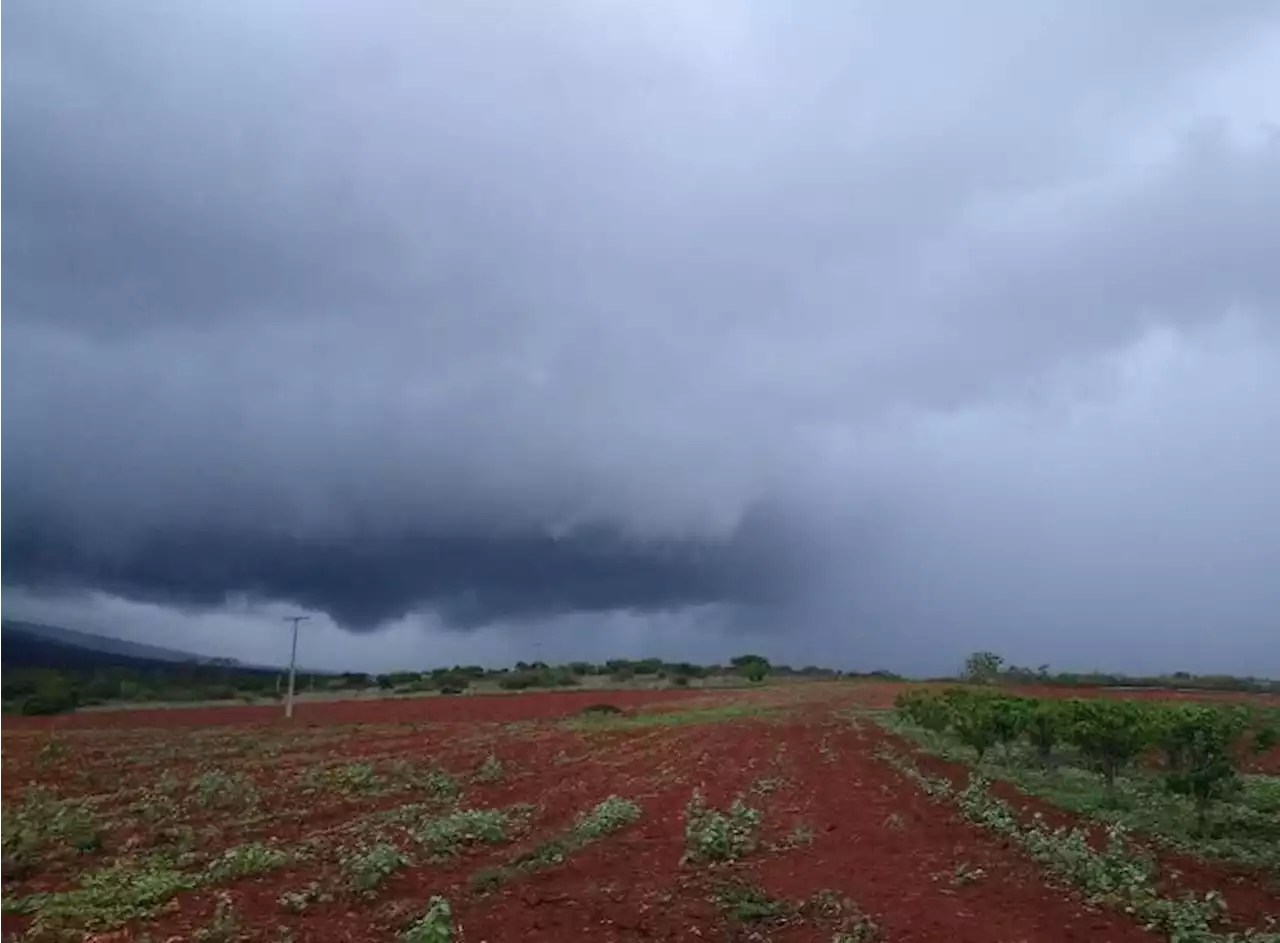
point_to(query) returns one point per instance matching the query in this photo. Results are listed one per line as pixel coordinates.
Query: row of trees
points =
(54, 690)
(1201, 747)
(539, 674)
(990, 668)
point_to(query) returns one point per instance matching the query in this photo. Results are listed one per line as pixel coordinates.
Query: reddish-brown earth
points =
(407, 710)
(837, 821)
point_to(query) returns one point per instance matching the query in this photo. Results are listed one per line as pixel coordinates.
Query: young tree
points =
(754, 668)
(1203, 746)
(974, 722)
(1044, 728)
(1009, 719)
(928, 710)
(983, 667)
(1110, 734)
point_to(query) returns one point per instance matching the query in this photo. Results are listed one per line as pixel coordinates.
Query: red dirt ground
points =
(1249, 897)
(875, 839)
(496, 707)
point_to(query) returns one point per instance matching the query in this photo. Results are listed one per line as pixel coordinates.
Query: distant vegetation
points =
(44, 689)
(49, 676)
(1197, 749)
(990, 668)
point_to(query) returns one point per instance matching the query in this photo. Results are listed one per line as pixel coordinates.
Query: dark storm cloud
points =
(508, 312)
(362, 581)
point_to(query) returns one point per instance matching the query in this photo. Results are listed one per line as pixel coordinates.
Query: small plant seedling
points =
(611, 815)
(490, 770)
(223, 927)
(767, 784)
(446, 836)
(712, 835)
(434, 926)
(296, 902)
(441, 785)
(966, 874)
(218, 789)
(747, 903)
(369, 868)
(488, 879)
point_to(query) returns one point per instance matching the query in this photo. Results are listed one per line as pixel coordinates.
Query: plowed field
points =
(770, 815)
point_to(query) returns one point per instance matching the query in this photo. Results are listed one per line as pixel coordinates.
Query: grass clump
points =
(712, 835)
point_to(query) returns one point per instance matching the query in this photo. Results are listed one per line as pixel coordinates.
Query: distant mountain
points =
(29, 645)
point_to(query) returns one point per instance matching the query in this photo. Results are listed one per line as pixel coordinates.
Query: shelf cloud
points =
(886, 334)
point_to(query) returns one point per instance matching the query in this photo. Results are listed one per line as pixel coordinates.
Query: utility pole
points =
(293, 662)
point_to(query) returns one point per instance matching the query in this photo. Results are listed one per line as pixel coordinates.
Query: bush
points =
(1110, 734)
(755, 668)
(598, 710)
(53, 695)
(1202, 746)
(517, 682)
(1045, 724)
(924, 709)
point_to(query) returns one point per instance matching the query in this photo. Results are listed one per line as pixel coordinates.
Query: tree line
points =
(990, 668)
(44, 690)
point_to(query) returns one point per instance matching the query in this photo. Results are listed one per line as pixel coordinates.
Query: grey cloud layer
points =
(473, 287)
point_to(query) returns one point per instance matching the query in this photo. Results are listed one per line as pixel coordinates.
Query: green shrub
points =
(611, 815)
(446, 836)
(711, 835)
(1045, 726)
(370, 867)
(1110, 734)
(434, 926)
(1203, 746)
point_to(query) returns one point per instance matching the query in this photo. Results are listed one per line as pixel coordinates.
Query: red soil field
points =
(838, 824)
(408, 710)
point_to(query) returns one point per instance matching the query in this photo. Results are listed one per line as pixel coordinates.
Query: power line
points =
(293, 662)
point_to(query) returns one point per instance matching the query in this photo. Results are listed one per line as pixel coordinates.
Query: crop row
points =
(1200, 748)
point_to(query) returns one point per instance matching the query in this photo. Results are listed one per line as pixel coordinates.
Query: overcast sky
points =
(864, 334)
